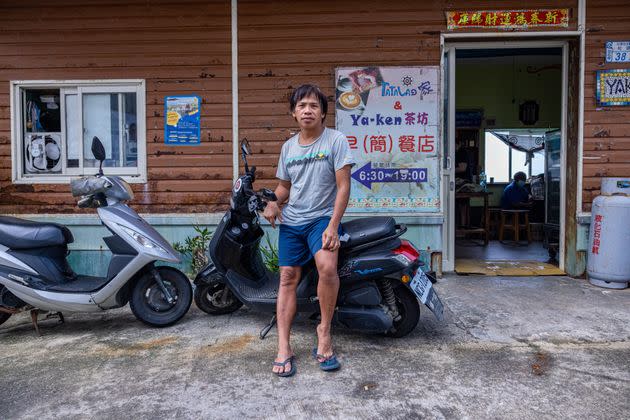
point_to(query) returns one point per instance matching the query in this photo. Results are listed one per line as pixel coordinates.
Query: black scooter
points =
(381, 278)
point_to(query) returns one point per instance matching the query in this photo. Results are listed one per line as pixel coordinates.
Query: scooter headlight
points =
(141, 239)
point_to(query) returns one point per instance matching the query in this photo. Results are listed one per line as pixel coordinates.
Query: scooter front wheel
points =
(150, 304)
(216, 299)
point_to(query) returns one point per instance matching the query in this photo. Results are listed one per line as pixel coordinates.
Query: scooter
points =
(381, 275)
(35, 274)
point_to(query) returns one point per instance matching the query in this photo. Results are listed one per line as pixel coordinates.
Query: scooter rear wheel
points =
(3, 317)
(409, 310)
(216, 299)
(149, 304)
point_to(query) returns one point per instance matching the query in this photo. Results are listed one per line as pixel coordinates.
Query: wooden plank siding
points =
(178, 47)
(283, 44)
(183, 47)
(606, 129)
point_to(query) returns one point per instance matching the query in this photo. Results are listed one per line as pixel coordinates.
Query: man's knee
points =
(289, 276)
(327, 270)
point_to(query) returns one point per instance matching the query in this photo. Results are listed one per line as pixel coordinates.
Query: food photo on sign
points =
(391, 120)
(353, 89)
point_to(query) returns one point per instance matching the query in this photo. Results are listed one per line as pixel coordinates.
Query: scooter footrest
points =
(265, 292)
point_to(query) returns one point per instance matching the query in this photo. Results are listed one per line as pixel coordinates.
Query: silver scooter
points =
(35, 275)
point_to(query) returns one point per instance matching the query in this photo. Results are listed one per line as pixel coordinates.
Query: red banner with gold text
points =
(508, 19)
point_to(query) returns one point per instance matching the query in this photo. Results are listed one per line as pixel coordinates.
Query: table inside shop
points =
(485, 228)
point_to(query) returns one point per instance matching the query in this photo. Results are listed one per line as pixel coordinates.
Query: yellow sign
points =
(172, 118)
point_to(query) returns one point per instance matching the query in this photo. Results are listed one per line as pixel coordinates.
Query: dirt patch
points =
(541, 364)
(121, 350)
(231, 346)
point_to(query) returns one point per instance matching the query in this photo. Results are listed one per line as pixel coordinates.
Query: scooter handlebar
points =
(267, 194)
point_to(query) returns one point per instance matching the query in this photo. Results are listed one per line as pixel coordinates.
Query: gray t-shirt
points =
(311, 171)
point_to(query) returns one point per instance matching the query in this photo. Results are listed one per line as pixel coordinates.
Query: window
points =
(503, 161)
(53, 124)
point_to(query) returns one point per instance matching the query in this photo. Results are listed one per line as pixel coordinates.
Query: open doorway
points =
(507, 159)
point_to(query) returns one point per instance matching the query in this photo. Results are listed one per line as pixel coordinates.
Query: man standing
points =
(314, 174)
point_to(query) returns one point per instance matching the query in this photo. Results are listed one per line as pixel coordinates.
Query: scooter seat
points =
(367, 229)
(24, 234)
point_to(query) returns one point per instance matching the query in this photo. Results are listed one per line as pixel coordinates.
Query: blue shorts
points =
(298, 244)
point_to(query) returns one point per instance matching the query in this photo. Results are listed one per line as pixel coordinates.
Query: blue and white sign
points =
(182, 120)
(618, 52)
(367, 175)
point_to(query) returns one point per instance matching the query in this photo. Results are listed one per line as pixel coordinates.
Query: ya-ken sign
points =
(390, 116)
(613, 87)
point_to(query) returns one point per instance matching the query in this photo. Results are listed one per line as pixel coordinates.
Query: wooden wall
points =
(182, 47)
(283, 44)
(606, 129)
(179, 47)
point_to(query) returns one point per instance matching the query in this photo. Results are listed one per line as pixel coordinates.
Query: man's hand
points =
(330, 239)
(272, 212)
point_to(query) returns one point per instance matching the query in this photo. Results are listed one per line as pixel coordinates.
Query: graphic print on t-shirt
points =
(310, 157)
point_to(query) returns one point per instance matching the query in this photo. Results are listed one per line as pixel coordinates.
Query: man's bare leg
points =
(327, 290)
(285, 311)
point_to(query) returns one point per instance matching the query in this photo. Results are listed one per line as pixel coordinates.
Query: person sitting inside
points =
(515, 196)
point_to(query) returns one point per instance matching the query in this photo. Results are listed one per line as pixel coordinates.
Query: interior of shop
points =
(507, 158)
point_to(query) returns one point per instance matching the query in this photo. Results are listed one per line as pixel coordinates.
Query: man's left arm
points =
(330, 237)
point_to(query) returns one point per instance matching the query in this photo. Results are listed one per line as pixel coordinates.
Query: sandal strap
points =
(321, 358)
(289, 360)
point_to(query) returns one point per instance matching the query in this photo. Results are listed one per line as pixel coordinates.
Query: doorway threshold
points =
(506, 268)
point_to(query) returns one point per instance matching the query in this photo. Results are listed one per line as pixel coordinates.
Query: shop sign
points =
(390, 116)
(182, 125)
(618, 52)
(613, 87)
(508, 19)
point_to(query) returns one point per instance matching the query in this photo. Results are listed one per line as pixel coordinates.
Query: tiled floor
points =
(495, 250)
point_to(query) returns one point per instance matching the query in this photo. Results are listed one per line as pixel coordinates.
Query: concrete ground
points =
(545, 347)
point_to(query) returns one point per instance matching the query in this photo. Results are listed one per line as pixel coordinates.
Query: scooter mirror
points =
(245, 149)
(98, 150)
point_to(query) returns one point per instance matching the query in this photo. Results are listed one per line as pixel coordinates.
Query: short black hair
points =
(305, 90)
(520, 176)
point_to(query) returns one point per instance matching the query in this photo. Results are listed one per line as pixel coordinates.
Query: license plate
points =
(423, 288)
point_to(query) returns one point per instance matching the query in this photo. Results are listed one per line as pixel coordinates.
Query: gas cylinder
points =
(608, 262)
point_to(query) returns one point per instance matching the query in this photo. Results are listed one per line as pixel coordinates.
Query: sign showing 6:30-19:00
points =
(366, 175)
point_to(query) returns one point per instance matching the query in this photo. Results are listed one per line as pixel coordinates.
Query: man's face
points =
(308, 113)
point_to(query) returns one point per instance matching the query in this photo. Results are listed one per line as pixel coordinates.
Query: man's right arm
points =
(272, 211)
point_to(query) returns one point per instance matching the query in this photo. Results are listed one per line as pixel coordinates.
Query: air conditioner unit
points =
(42, 153)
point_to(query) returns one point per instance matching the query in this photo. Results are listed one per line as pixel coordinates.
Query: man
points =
(515, 196)
(314, 174)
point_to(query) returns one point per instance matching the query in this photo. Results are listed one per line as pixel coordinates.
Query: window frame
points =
(486, 131)
(79, 87)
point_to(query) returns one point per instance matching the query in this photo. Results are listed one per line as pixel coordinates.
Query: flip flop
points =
(326, 363)
(283, 364)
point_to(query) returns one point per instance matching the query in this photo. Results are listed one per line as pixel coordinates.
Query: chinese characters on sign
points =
(618, 52)
(613, 87)
(391, 118)
(182, 125)
(508, 19)
(597, 233)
